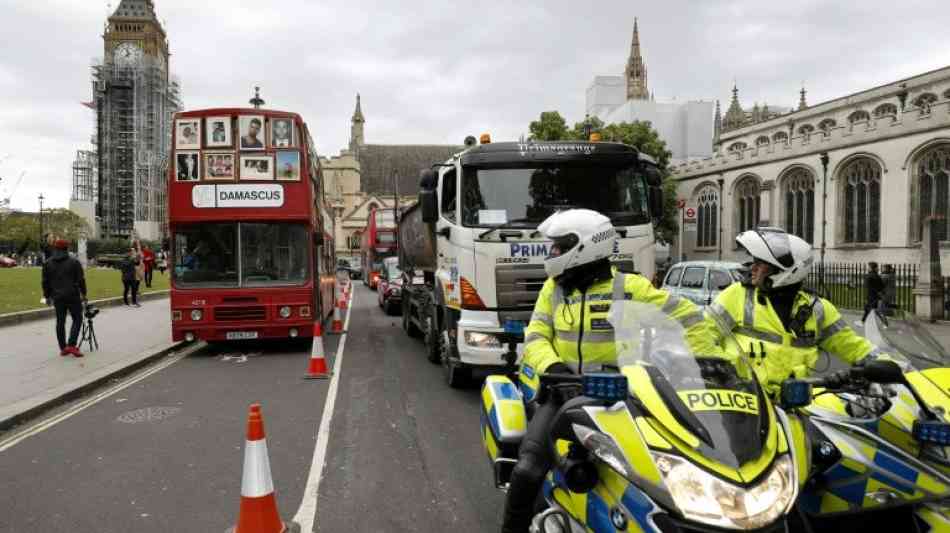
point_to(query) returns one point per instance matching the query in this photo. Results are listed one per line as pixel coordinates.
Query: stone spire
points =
(756, 114)
(636, 70)
(735, 116)
(801, 102)
(356, 129)
(717, 124)
(765, 111)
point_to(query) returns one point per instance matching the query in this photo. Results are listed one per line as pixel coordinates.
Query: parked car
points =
(7, 262)
(389, 286)
(702, 281)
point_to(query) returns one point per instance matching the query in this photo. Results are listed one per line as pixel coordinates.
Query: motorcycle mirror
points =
(881, 371)
(795, 393)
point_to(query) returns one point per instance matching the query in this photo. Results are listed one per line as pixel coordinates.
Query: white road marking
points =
(306, 514)
(92, 400)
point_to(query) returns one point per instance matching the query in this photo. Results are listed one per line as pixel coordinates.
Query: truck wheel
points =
(433, 340)
(456, 375)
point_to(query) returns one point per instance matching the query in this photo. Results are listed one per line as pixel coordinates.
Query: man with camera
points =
(64, 287)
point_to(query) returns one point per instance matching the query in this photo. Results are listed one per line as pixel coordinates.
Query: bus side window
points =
(449, 195)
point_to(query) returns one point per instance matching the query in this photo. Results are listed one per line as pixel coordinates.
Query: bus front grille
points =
(226, 314)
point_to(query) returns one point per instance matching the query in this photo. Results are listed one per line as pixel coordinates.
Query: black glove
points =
(559, 368)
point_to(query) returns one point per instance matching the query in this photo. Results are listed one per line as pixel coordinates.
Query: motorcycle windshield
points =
(695, 382)
(906, 339)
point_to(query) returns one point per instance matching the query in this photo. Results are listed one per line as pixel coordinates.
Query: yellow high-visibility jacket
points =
(778, 354)
(556, 330)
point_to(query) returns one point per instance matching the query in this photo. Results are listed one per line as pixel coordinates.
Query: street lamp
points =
(720, 181)
(824, 218)
(587, 127)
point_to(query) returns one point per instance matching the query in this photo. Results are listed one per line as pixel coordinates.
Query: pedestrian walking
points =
(875, 289)
(64, 287)
(889, 295)
(130, 267)
(162, 261)
(148, 261)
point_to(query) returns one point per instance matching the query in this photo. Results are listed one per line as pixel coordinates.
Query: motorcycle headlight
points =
(709, 500)
(605, 449)
(482, 340)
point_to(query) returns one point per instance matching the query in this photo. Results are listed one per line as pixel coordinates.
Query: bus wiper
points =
(503, 225)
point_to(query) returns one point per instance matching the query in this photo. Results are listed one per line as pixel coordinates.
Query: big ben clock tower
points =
(135, 99)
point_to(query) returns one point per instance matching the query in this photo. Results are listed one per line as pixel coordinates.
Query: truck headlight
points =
(285, 312)
(196, 314)
(482, 340)
(709, 500)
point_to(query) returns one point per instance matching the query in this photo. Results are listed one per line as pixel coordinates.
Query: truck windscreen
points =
(526, 196)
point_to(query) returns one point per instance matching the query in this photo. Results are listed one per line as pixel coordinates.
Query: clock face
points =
(127, 54)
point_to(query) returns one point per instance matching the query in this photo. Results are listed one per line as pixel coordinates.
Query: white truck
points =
(473, 238)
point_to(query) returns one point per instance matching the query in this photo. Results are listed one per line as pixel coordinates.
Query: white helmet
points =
(581, 236)
(789, 254)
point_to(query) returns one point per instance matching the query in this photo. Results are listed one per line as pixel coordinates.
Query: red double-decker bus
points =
(379, 242)
(251, 231)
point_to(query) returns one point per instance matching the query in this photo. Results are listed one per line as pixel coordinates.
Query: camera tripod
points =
(88, 334)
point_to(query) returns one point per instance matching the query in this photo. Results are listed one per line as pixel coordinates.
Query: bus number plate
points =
(240, 335)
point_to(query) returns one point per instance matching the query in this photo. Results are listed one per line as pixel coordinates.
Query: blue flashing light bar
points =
(607, 387)
(932, 432)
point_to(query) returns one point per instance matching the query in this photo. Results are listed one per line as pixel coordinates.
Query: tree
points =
(640, 135)
(65, 224)
(550, 127)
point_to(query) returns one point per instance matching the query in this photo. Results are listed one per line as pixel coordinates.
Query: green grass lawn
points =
(20, 288)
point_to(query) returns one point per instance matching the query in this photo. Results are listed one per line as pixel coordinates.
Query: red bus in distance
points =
(251, 232)
(378, 243)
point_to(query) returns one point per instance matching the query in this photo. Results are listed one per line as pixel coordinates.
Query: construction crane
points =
(5, 202)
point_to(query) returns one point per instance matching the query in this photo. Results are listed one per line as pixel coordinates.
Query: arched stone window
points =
(798, 190)
(826, 125)
(859, 116)
(707, 216)
(748, 202)
(924, 102)
(861, 179)
(737, 146)
(780, 138)
(806, 131)
(885, 110)
(932, 169)
(762, 141)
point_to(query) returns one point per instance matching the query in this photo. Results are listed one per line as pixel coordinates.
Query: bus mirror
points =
(430, 206)
(656, 203)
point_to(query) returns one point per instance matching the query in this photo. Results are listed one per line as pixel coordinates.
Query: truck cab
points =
(481, 210)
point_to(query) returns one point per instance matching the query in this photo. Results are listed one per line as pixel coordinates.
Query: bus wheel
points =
(432, 340)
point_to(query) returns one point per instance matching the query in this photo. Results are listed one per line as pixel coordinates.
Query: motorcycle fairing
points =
(871, 474)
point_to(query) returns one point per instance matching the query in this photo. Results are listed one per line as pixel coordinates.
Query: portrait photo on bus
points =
(288, 166)
(282, 133)
(257, 167)
(218, 132)
(251, 130)
(188, 134)
(186, 166)
(219, 165)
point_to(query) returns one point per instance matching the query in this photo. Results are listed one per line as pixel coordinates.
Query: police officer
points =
(569, 331)
(778, 323)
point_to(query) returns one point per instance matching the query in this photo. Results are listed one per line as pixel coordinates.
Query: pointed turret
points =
(735, 116)
(717, 124)
(636, 70)
(802, 104)
(356, 129)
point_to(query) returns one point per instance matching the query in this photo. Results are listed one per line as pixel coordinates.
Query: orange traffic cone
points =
(258, 513)
(343, 301)
(318, 363)
(337, 326)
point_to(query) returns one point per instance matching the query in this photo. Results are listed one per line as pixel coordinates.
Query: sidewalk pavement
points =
(940, 330)
(33, 374)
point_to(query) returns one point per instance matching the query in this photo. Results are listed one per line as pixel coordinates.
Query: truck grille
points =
(233, 314)
(519, 285)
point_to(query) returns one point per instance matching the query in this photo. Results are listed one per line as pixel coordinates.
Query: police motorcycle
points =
(879, 435)
(670, 441)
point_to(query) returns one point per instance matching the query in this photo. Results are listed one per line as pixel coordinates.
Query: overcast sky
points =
(435, 71)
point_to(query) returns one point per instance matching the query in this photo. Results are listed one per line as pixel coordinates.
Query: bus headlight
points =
(285, 312)
(196, 314)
